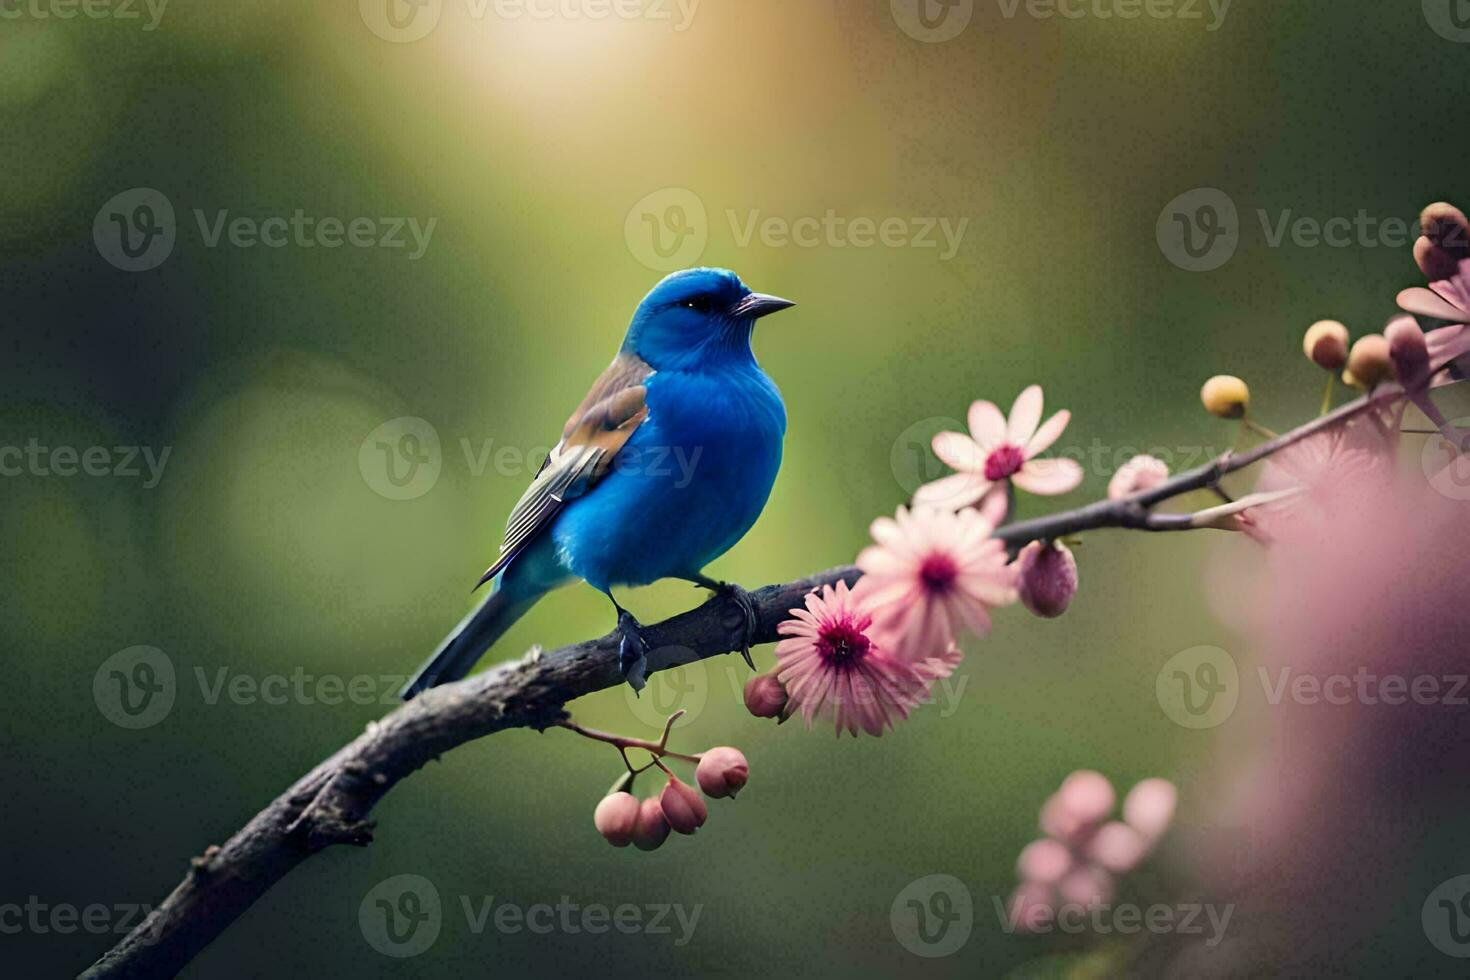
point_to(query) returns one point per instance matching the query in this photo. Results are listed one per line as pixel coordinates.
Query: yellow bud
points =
(1350, 381)
(1368, 361)
(1326, 344)
(1225, 396)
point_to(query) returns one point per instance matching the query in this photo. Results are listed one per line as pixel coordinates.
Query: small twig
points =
(622, 743)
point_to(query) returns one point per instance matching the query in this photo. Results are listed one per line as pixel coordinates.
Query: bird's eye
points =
(699, 304)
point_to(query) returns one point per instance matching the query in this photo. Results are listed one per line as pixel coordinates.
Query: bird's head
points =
(698, 318)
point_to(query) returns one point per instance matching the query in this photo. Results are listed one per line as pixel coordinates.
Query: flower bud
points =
(1446, 227)
(651, 828)
(682, 805)
(1368, 362)
(1225, 396)
(615, 818)
(1433, 261)
(722, 771)
(1117, 847)
(1408, 350)
(1137, 475)
(1149, 807)
(765, 697)
(1326, 344)
(1047, 578)
(1044, 860)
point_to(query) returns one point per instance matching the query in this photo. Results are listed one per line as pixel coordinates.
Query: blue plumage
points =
(667, 462)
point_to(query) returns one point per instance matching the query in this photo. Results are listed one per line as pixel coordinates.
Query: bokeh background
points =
(536, 145)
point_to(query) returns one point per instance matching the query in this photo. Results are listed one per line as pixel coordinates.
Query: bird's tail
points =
(462, 649)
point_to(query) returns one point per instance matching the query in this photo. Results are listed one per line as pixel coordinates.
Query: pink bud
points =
(1086, 886)
(682, 805)
(1088, 795)
(1149, 807)
(1409, 351)
(651, 829)
(1031, 907)
(1044, 860)
(615, 818)
(722, 771)
(765, 697)
(1047, 578)
(1117, 847)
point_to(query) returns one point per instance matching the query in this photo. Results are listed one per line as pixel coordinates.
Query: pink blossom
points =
(832, 664)
(931, 574)
(1328, 466)
(1139, 474)
(998, 449)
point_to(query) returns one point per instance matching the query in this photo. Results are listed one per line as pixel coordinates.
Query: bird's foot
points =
(746, 604)
(632, 650)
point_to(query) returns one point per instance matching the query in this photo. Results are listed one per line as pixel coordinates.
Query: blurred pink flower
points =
(999, 449)
(931, 574)
(831, 664)
(1332, 466)
(1137, 475)
(1076, 863)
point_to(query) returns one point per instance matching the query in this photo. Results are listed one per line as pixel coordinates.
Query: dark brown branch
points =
(332, 803)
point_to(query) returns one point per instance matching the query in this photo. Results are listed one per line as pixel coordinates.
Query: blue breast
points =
(686, 487)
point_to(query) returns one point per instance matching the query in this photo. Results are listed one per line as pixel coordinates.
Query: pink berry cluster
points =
(1077, 862)
(623, 819)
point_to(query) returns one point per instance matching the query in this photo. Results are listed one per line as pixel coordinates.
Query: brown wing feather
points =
(591, 439)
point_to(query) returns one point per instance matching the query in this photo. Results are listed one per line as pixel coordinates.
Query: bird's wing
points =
(601, 425)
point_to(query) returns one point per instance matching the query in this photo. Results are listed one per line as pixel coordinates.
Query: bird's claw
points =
(746, 603)
(632, 651)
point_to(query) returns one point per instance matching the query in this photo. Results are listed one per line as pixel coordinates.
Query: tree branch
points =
(332, 803)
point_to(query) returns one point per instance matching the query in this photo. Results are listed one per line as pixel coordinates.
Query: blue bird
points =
(665, 464)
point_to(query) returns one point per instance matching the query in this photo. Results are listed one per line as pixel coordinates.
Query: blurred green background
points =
(267, 548)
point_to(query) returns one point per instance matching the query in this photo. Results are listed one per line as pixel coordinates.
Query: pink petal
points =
(1025, 414)
(1049, 476)
(1426, 302)
(987, 424)
(1048, 433)
(959, 452)
(960, 490)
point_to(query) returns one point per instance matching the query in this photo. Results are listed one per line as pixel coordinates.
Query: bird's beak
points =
(757, 305)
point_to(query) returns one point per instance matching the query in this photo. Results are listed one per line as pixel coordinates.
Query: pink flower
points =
(931, 574)
(1139, 474)
(1330, 467)
(998, 449)
(831, 664)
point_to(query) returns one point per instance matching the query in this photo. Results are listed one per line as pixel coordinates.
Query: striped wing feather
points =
(591, 439)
